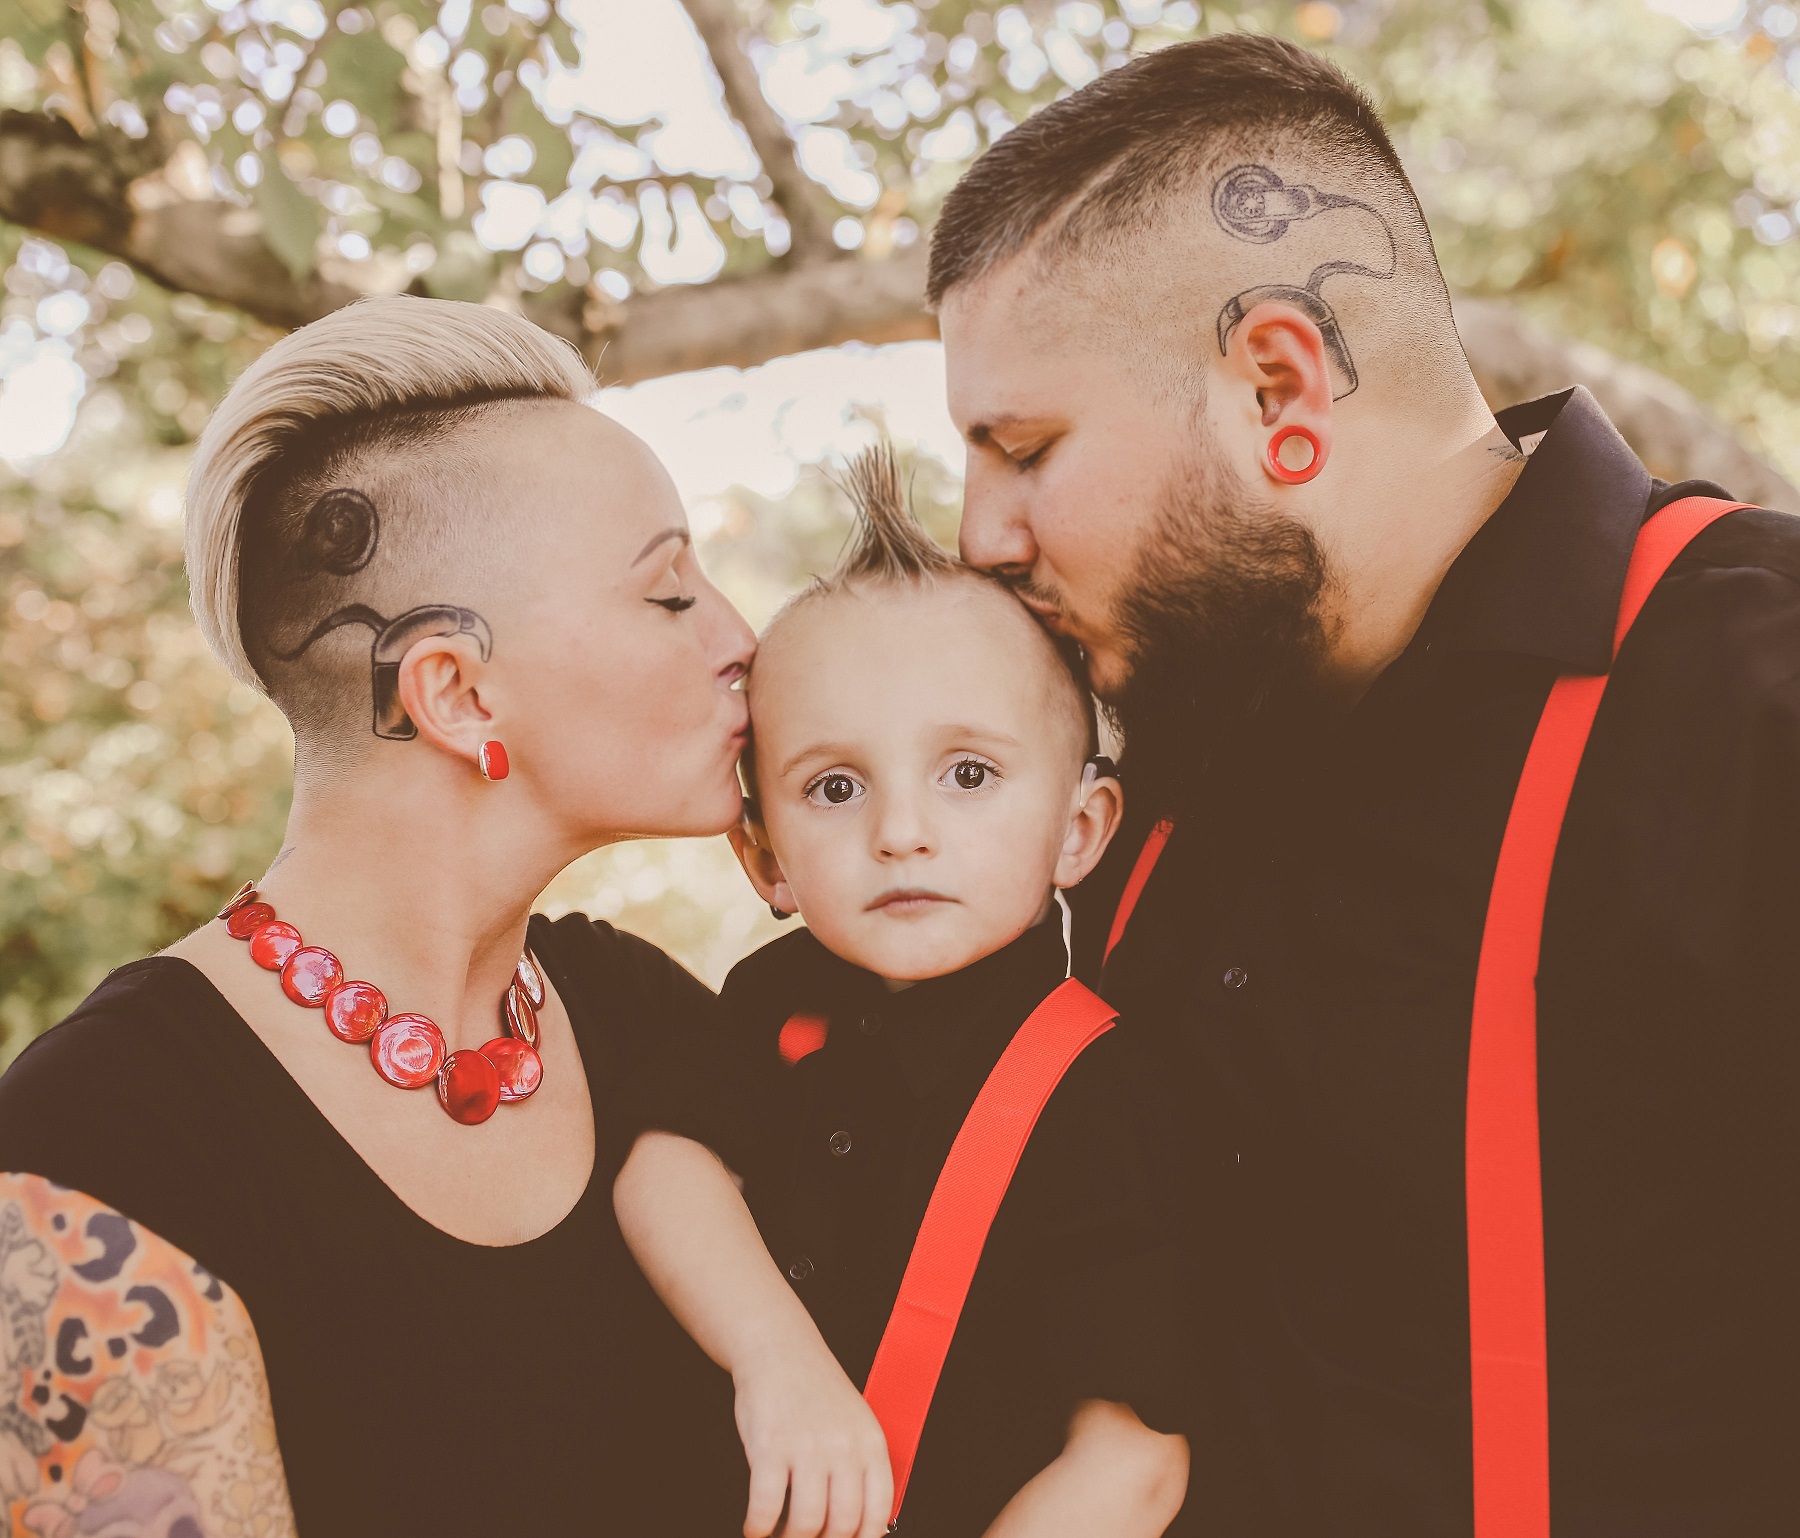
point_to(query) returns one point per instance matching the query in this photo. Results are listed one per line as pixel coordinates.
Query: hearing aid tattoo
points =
(1252, 203)
(338, 536)
(393, 639)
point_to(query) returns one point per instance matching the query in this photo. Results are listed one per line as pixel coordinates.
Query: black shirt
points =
(1076, 1297)
(421, 1384)
(1309, 944)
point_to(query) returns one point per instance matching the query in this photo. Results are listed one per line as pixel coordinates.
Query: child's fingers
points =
(768, 1493)
(878, 1499)
(808, 1497)
(845, 1519)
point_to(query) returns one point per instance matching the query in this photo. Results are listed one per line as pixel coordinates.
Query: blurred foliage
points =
(1627, 179)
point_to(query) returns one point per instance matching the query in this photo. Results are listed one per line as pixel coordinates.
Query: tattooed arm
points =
(133, 1398)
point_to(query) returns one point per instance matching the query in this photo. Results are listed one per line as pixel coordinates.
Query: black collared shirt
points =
(1308, 949)
(1076, 1296)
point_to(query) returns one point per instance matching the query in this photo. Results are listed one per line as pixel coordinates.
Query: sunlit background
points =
(1626, 172)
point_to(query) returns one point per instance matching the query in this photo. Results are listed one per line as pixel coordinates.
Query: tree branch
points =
(808, 207)
(745, 321)
(94, 191)
(69, 188)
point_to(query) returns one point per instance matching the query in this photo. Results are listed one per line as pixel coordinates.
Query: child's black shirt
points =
(1078, 1295)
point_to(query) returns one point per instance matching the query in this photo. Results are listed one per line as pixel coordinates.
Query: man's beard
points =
(1222, 630)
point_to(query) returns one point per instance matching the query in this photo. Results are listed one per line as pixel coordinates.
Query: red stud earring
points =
(1288, 474)
(493, 761)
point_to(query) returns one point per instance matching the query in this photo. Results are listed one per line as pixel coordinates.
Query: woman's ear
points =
(1099, 805)
(750, 843)
(441, 686)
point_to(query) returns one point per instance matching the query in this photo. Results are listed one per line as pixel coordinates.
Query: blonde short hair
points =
(393, 354)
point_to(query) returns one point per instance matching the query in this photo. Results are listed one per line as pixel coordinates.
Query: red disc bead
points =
(469, 1087)
(531, 980)
(271, 945)
(519, 1017)
(245, 921)
(354, 1011)
(310, 974)
(521, 1070)
(244, 895)
(407, 1051)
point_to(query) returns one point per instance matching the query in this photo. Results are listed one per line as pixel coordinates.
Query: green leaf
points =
(463, 269)
(365, 71)
(554, 156)
(292, 222)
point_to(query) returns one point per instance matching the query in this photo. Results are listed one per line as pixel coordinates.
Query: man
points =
(1222, 434)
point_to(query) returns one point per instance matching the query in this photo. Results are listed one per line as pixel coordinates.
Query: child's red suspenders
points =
(1508, 1371)
(963, 1204)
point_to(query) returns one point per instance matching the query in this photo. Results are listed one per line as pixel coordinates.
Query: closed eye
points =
(673, 605)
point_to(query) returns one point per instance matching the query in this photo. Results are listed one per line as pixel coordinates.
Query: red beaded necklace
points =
(407, 1050)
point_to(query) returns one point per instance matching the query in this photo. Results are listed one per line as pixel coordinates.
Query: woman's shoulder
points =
(141, 1026)
(136, 1097)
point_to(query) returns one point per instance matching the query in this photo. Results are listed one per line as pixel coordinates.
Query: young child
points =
(923, 780)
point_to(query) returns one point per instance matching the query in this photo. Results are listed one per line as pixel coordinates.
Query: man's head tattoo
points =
(1252, 203)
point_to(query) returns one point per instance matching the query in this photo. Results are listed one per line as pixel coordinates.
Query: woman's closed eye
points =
(833, 788)
(679, 604)
(970, 774)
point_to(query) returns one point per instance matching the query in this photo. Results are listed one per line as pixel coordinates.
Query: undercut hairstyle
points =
(889, 547)
(336, 485)
(1107, 160)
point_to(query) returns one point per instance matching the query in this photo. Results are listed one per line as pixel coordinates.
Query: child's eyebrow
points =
(817, 750)
(986, 734)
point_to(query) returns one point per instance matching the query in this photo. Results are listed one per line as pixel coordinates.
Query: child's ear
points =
(750, 843)
(1100, 805)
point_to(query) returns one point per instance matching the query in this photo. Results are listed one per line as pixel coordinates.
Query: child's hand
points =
(813, 1445)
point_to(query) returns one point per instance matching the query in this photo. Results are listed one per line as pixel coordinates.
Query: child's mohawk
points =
(888, 543)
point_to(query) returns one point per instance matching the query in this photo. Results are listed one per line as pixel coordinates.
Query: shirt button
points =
(869, 1024)
(801, 1269)
(840, 1143)
(1236, 977)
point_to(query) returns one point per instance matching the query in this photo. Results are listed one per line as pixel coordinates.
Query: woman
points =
(309, 1217)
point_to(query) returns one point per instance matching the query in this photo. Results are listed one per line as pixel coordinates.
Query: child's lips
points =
(904, 900)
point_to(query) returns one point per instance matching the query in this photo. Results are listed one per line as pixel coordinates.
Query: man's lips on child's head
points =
(902, 900)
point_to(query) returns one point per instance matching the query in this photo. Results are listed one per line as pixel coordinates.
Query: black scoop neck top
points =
(421, 1384)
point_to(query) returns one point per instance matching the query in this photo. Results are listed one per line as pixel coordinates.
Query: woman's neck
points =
(421, 889)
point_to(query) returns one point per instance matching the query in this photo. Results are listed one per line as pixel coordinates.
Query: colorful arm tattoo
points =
(135, 1401)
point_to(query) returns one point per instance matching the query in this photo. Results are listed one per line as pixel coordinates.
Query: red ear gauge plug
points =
(1285, 473)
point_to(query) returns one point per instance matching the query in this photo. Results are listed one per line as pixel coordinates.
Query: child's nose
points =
(901, 828)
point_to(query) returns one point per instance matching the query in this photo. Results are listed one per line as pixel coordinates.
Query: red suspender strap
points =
(1509, 1380)
(963, 1203)
(1135, 883)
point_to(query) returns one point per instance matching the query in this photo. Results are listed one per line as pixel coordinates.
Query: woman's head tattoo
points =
(339, 535)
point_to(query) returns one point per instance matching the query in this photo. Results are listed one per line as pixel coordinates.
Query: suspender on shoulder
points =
(963, 1204)
(1508, 1358)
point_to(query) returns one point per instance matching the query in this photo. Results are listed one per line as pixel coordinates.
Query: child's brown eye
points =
(971, 775)
(837, 788)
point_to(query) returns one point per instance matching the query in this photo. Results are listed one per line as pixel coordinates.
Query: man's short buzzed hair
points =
(1106, 160)
(332, 472)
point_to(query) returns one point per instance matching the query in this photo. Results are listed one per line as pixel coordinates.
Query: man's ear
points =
(1100, 805)
(750, 843)
(446, 689)
(1279, 351)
